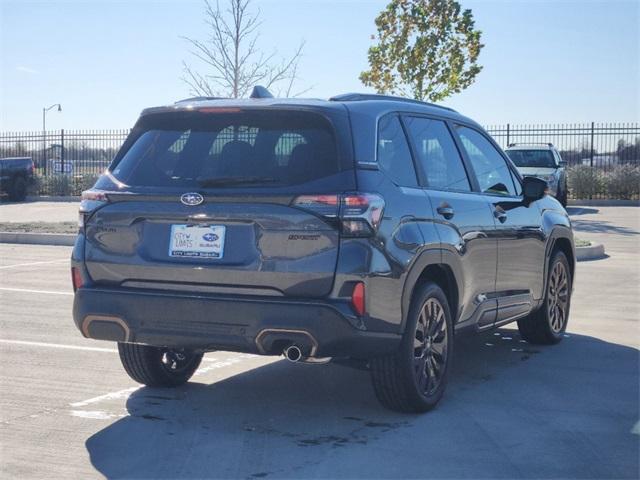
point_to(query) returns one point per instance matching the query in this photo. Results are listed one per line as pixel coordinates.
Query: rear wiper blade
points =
(220, 181)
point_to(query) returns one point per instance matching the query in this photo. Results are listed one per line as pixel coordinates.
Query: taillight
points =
(357, 298)
(90, 200)
(359, 214)
(76, 278)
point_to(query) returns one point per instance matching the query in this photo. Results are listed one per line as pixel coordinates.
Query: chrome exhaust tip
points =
(292, 353)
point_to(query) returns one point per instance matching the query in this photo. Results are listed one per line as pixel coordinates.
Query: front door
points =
(521, 247)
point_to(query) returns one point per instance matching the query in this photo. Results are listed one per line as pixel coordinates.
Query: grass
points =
(582, 243)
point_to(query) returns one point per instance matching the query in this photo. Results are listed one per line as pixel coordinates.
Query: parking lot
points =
(512, 410)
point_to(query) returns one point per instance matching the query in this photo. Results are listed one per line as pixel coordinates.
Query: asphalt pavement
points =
(512, 410)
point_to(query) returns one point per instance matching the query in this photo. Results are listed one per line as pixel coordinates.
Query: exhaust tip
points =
(293, 353)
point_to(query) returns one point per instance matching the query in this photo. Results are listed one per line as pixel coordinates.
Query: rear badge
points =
(191, 198)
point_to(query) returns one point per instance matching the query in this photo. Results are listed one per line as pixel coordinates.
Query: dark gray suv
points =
(365, 228)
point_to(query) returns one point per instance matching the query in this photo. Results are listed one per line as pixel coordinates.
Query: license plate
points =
(201, 241)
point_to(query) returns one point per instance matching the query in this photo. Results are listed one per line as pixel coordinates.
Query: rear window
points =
(229, 149)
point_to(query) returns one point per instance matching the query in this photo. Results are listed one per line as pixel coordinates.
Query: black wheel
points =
(157, 366)
(547, 325)
(415, 377)
(18, 190)
(562, 197)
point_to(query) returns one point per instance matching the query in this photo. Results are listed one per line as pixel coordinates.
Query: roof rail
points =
(529, 143)
(357, 97)
(198, 99)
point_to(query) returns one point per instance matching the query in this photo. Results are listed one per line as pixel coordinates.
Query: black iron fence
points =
(603, 159)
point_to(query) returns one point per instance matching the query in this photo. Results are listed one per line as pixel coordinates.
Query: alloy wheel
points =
(430, 346)
(558, 297)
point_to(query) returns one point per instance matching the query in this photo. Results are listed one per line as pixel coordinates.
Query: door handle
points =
(500, 214)
(446, 211)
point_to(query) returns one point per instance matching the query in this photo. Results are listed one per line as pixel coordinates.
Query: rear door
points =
(214, 201)
(463, 217)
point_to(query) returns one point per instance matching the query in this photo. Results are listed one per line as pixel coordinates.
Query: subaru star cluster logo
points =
(191, 198)
(210, 237)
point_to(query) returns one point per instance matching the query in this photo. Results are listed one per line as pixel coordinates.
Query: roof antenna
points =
(260, 92)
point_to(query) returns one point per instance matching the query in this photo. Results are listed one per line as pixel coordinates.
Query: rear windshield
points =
(228, 148)
(532, 158)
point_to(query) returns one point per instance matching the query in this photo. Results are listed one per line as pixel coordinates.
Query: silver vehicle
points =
(542, 161)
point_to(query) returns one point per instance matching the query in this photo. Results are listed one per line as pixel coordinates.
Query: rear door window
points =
(437, 153)
(230, 149)
(394, 155)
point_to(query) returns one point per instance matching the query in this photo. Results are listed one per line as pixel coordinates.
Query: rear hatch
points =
(206, 200)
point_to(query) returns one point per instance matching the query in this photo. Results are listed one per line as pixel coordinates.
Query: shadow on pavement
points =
(600, 226)
(581, 210)
(511, 410)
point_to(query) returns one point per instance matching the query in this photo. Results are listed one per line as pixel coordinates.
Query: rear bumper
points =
(255, 325)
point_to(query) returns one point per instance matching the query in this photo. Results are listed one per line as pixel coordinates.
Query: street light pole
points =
(44, 133)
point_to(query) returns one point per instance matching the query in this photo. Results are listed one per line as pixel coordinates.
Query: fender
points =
(556, 225)
(431, 256)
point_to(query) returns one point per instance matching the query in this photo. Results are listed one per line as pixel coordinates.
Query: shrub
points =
(585, 181)
(62, 185)
(623, 182)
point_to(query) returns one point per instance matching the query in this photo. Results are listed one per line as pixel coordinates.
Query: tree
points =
(233, 59)
(426, 49)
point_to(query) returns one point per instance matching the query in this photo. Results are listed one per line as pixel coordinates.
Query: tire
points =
(156, 366)
(18, 190)
(414, 379)
(562, 197)
(547, 325)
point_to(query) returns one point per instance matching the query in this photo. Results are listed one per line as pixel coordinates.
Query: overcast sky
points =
(104, 61)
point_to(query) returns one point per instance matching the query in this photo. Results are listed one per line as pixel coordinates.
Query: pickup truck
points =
(16, 174)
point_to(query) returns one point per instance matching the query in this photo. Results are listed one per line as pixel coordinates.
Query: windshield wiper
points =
(221, 181)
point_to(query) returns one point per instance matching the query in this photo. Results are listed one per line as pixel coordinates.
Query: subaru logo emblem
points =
(191, 199)
(210, 237)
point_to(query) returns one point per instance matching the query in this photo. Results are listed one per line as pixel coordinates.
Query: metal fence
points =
(69, 161)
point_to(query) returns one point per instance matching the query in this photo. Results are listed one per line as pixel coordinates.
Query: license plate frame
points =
(190, 241)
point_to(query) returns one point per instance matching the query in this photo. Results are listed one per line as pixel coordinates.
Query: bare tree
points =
(232, 57)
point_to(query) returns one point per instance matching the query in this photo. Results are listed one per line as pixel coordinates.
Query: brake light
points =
(218, 110)
(89, 201)
(76, 278)
(357, 298)
(359, 214)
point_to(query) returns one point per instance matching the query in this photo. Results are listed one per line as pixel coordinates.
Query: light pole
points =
(44, 133)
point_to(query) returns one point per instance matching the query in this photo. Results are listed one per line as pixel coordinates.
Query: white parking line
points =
(27, 290)
(107, 396)
(18, 265)
(57, 345)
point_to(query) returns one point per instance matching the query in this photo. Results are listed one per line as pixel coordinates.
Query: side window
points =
(394, 156)
(494, 176)
(437, 153)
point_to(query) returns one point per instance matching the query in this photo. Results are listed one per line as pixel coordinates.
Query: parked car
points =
(542, 161)
(16, 174)
(364, 228)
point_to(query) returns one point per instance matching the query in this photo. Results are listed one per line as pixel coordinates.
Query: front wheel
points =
(158, 366)
(415, 377)
(547, 325)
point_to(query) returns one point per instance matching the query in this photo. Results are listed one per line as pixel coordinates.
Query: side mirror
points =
(562, 163)
(533, 188)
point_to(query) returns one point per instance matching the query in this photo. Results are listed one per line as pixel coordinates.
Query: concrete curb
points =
(592, 252)
(60, 239)
(604, 203)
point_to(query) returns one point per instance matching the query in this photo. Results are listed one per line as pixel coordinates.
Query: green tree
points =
(425, 49)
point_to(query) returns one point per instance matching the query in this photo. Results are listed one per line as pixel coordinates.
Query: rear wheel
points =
(18, 190)
(157, 366)
(547, 325)
(415, 377)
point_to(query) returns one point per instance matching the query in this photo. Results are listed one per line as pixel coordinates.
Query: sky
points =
(544, 61)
